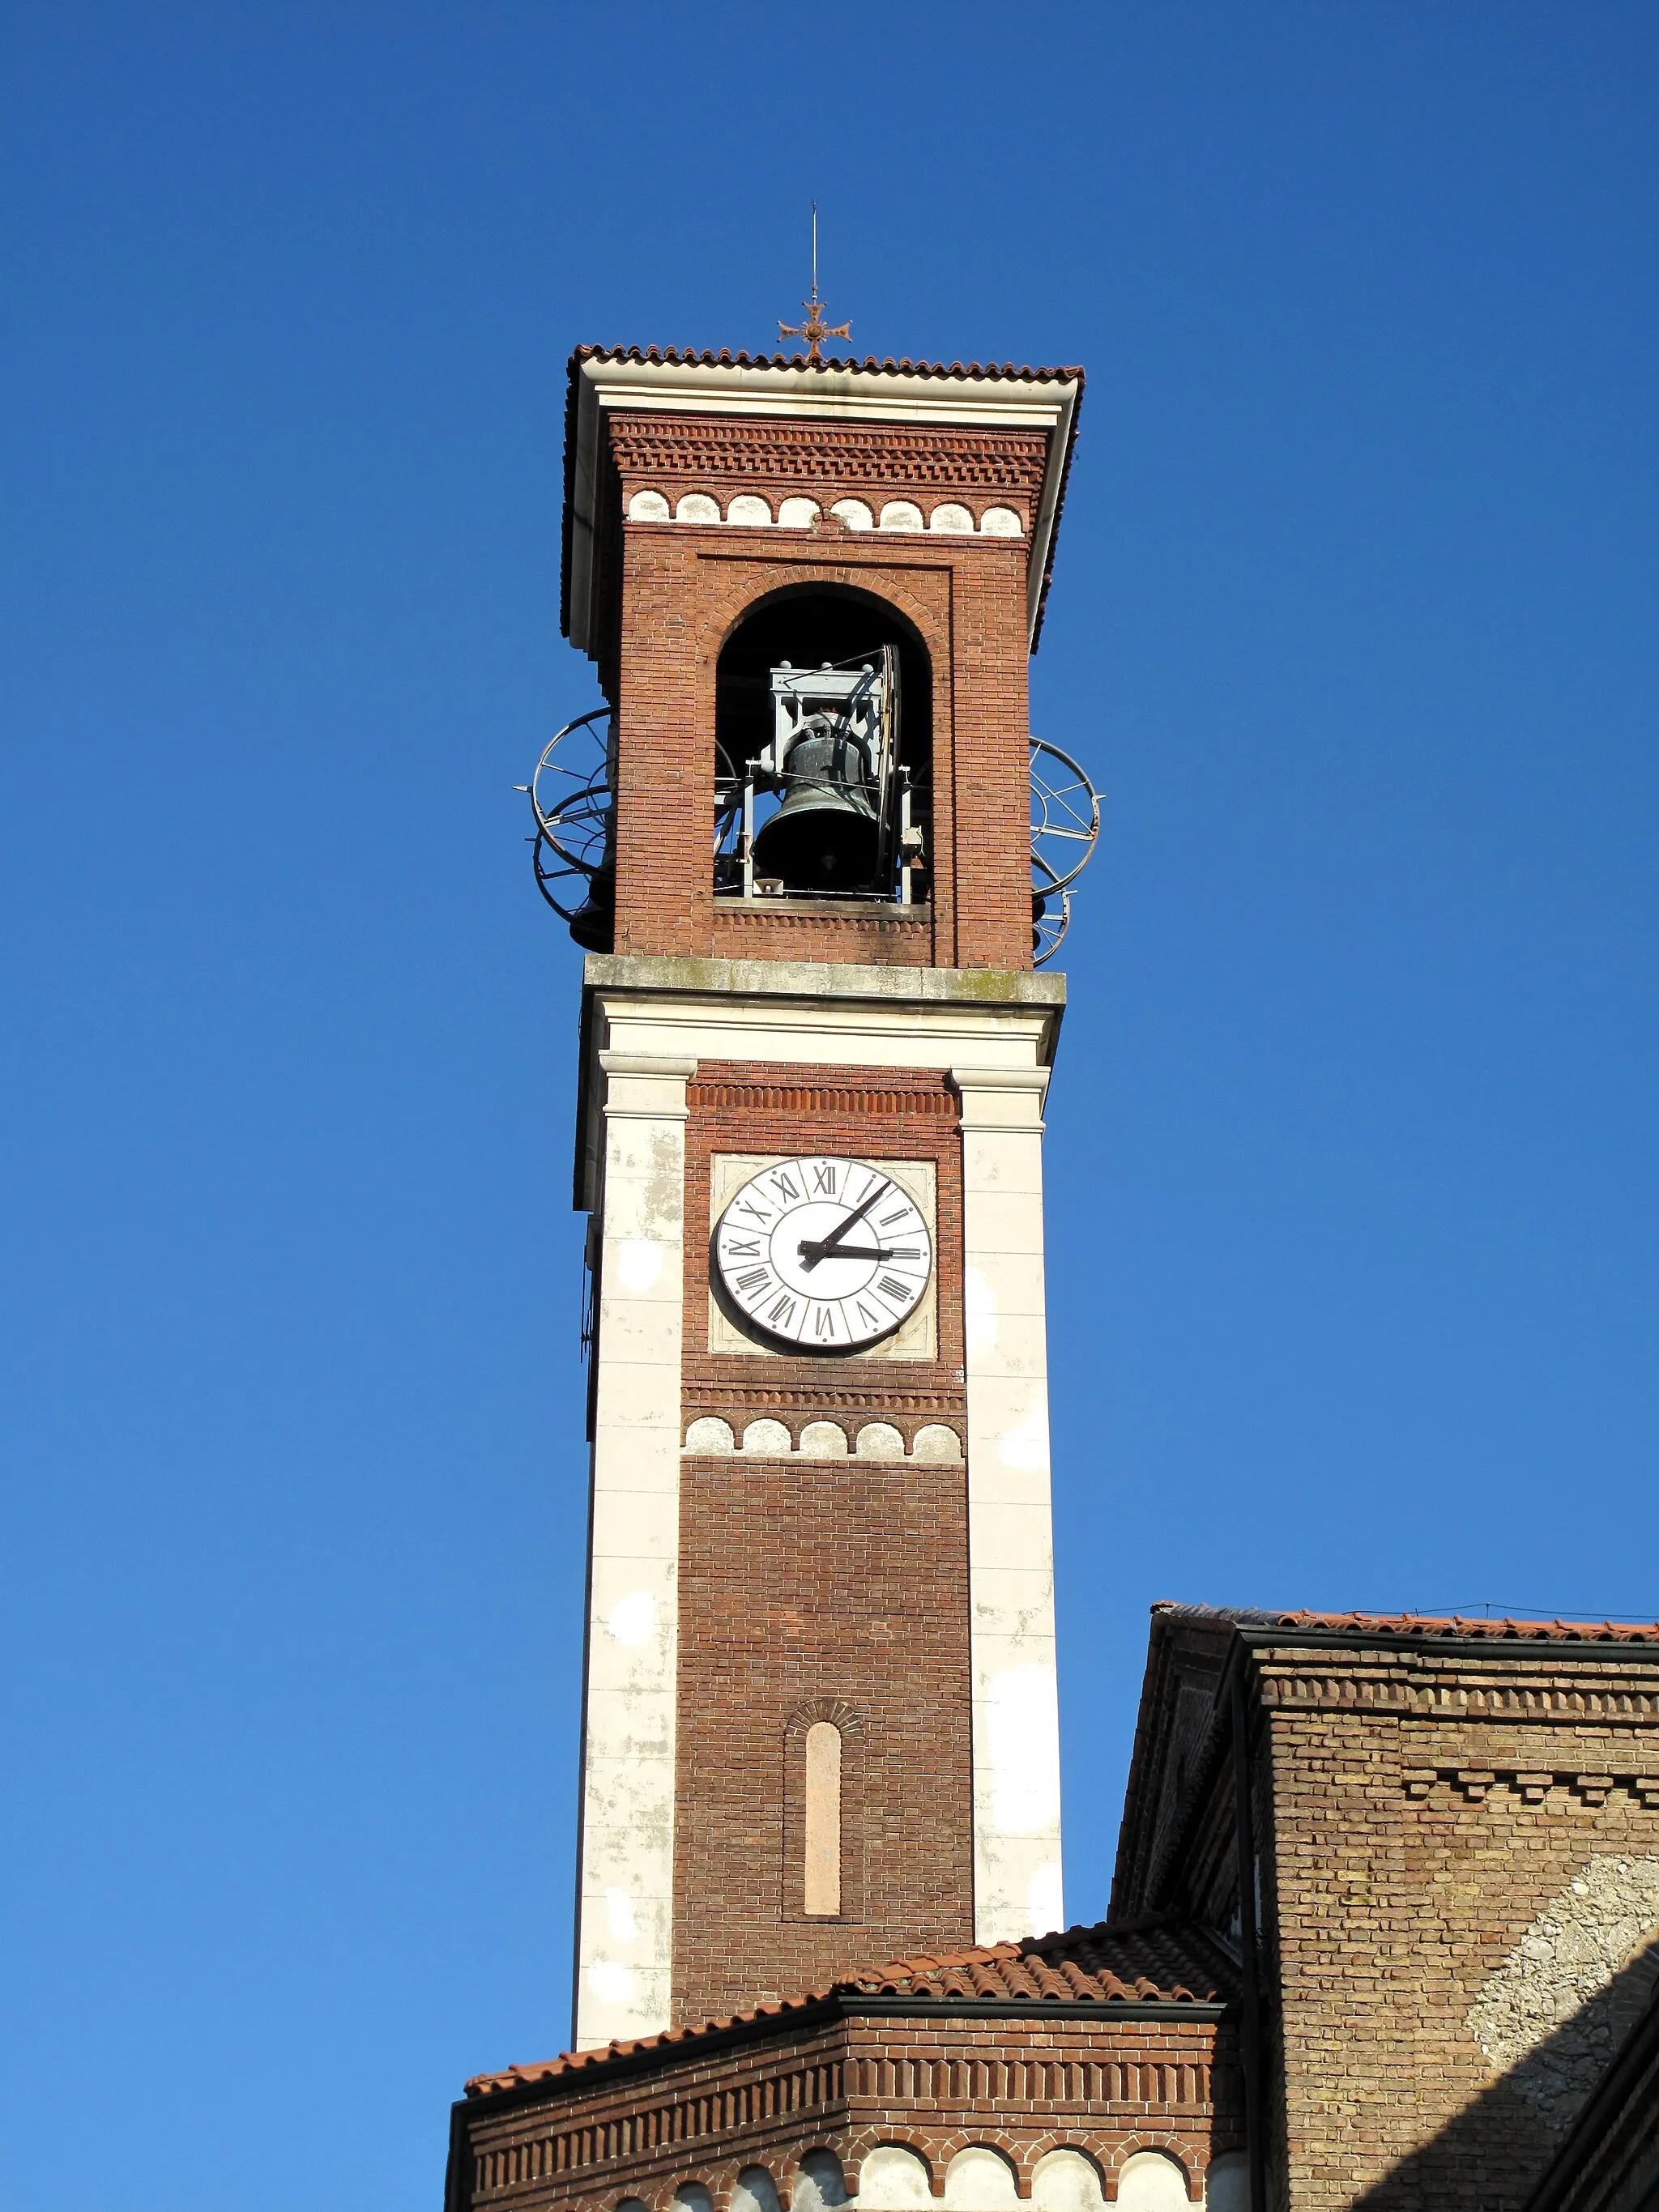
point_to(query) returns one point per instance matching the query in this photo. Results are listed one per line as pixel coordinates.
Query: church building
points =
(1386, 1909)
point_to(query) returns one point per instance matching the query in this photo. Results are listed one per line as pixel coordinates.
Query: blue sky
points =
(1352, 1215)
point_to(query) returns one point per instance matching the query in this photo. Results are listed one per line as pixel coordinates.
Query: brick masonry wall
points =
(1022, 2086)
(820, 1580)
(802, 1581)
(1424, 1816)
(684, 587)
(775, 929)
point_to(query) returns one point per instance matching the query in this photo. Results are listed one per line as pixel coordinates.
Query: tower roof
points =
(965, 395)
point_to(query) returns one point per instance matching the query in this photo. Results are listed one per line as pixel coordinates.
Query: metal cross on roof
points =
(814, 329)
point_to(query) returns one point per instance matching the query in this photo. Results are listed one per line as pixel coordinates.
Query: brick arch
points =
(998, 2147)
(838, 1714)
(720, 2177)
(1036, 2148)
(788, 2164)
(854, 1737)
(727, 613)
(880, 2138)
(969, 2137)
(922, 618)
(1175, 2147)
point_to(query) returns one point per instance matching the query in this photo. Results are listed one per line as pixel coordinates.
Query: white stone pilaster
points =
(625, 1930)
(1017, 1855)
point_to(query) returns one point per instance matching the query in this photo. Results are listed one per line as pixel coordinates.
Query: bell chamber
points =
(833, 763)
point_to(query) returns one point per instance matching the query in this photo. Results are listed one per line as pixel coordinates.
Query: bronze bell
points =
(826, 836)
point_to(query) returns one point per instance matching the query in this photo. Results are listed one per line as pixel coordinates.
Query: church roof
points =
(1157, 1960)
(1421, 1625)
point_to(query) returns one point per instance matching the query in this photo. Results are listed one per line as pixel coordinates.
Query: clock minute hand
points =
(829, 1243)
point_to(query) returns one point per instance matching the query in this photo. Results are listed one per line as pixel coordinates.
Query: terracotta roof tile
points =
(1420, 1625)
(962, 372)
(1155, 1961)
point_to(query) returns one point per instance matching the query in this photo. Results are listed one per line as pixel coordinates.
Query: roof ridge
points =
(1509, 1628)
(866, 365)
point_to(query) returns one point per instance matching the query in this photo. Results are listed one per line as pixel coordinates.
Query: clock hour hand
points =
(812, 1252)
(831, 1243)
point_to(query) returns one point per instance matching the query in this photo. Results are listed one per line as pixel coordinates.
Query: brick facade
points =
(1019, 2085)
(1430, 1808)
(837, 1579)
(803, 1581)
(680, 590)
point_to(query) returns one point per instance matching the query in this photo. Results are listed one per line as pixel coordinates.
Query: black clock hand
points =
(829, 1243)
(812, 1252)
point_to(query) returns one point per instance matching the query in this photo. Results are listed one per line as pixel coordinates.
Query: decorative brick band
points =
(786, 1097)
(1532, 1785)
(1400, 1687)
(913, 455)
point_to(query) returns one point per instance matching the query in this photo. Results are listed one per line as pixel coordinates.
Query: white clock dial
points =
(828, 1255)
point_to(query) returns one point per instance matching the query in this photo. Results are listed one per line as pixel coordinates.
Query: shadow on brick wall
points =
(1489, 2157)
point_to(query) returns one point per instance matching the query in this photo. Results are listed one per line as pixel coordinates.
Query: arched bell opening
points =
(823, 729)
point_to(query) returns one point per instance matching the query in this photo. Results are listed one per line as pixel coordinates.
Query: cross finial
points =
(813, 328)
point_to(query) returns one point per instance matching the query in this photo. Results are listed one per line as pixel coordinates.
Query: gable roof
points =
(662, 377)
(1157, 1961)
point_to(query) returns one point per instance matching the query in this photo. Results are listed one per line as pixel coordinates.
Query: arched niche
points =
(820, 2186)
(979, 2179)
(1227, 2184)
(807, 624)
(755, 2191)
(1151, 2182)
(1065, 2181)
(892, 2178)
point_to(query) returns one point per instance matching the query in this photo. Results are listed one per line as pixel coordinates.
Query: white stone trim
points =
(625, 1908)
(936, 1443)
(948, 518)
(1017, 1840)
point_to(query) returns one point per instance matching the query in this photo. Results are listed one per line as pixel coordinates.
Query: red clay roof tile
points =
(1420, 1624)
(962, 372)
(1157, 1960)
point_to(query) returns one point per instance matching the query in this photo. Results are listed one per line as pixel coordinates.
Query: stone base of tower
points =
(1064, 2072)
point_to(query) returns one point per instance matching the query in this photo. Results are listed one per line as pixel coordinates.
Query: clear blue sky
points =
(1352, 1157)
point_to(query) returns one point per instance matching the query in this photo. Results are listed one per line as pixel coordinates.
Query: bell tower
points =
(819, 1707)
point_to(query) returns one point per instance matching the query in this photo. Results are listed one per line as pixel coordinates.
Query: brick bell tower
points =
(819, 1708)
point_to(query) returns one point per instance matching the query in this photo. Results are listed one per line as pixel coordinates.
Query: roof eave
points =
(700, 2044)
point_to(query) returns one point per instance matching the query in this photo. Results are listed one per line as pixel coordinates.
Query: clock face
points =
(824, 1255)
